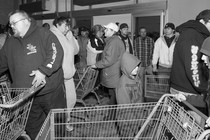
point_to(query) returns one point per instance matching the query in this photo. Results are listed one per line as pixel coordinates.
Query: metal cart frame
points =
(161, 120)
(15, 104)
(86, 84)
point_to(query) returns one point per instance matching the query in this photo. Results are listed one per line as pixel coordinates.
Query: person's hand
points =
(207, 122)
(180, 97)
(154, 68)
(93, 66)
(39, 78)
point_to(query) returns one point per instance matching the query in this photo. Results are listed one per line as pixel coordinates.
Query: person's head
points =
(204, 18)
(129, 65)
(143, 32)
(19, 22)
(75, 31)
(110, 29)
(205, 49)
(169, 29)
(46, 25)
(61, 23)
(84, 31)
(134, 72)
(124, 29)
(97, 31)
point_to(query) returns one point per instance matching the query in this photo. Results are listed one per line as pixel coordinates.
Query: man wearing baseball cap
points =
(110, 61)
(123, 34)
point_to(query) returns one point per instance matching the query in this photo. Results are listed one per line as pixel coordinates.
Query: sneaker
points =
(69, 128)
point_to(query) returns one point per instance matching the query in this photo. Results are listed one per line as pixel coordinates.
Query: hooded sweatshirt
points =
(189, 73)
(38, 49)
(124, 93)
(69, 52)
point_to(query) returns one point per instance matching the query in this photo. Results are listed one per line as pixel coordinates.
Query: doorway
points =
(153, 22)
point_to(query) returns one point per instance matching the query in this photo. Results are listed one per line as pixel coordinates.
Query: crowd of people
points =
(47, 55)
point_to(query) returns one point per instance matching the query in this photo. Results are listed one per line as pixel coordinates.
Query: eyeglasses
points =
(14, 23)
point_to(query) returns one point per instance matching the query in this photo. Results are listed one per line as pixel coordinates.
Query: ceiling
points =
(93, 2)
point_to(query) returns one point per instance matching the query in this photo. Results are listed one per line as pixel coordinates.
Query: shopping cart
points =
(155, 86)
(78, 75)
(162, 120)
(15, 104)
(85, 86)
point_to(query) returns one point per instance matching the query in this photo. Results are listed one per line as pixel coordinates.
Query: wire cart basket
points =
(15, 104)
(156, 85)
(85, 84)
(161, 120)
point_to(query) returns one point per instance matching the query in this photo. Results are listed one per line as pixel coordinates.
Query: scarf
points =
(97, 43)
(123, 38)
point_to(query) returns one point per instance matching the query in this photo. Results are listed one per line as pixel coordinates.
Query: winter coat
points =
(93, 49)
(38, 49)
(189, 73)
(110, 61)
(69, 51)
(124, 94)
(82, 41)
(162, 53)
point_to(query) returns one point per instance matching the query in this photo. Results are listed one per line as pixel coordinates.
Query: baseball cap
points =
(123, 25)
(205, 14)
(170, 25)
(205, 47)
(112, 26)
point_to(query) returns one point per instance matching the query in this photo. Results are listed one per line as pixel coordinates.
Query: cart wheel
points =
(24, 137)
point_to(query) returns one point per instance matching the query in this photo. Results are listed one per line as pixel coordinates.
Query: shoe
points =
(69, 128)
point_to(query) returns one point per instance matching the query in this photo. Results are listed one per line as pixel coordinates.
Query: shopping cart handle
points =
(26, 95)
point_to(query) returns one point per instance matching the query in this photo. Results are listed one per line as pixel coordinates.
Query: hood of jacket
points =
(31, 29)
(194, 24)
(129, 63)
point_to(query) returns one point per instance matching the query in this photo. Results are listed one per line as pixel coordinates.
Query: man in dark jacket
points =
(189, 74)
(110, 61)
(34, 56)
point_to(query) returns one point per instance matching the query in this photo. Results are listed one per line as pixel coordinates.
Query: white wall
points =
(180, 11)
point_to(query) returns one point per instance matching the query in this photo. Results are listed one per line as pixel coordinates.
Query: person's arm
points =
(3, 60)
(111, 55)
(195, 68)
(135, 47)
(155, 56)
(151, 47)
(54, 55)
(73, 42)
(53, 61)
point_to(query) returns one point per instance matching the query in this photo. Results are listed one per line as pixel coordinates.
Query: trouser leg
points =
(41, 107)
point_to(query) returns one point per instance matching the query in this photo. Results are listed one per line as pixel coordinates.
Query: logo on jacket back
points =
(194, 65)
(31, 48)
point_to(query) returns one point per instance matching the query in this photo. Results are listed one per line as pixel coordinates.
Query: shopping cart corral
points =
(15, 104)
(161, 120)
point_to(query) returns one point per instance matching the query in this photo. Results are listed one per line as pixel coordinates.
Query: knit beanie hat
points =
(205, 49)
(123, 25)
(205, 14)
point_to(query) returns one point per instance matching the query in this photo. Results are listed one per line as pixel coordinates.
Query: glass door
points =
(153, 22)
